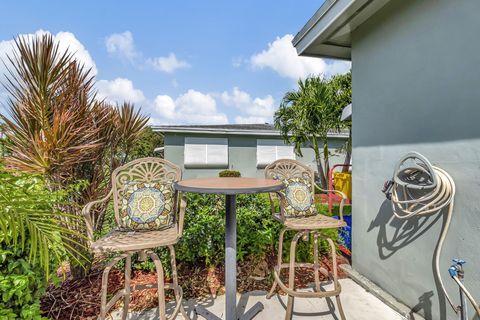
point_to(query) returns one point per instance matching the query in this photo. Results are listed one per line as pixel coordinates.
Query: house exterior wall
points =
(415, 73)
(242, 154)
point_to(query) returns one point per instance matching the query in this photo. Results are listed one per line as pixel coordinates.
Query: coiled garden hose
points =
(420, 189)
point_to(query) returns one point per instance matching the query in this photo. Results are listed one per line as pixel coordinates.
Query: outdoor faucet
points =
(456, 272)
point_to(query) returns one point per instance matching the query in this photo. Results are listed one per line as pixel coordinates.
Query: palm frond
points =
(29, 220)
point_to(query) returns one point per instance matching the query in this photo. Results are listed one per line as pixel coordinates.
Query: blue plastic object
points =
(459, 261)
(453, 271)
(345, 235)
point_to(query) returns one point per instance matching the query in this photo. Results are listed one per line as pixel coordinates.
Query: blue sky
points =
(182, 62)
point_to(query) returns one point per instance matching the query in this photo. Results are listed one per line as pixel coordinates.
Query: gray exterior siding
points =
(242, 154)
(415, 69)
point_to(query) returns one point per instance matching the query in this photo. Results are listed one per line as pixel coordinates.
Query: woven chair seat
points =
(318, 221)
(119, 241)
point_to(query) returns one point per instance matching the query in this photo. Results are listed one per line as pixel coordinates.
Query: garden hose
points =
(420, 189)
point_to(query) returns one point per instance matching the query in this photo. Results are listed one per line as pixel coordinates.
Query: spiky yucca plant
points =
(58, 128)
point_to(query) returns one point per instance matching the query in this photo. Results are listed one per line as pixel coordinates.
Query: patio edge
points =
(378, 292)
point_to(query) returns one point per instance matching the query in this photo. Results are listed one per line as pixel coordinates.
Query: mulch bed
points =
(80, 299)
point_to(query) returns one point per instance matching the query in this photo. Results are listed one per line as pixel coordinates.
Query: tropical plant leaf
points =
(28, 217)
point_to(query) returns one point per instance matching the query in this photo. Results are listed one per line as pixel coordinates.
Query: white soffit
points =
(328, 32)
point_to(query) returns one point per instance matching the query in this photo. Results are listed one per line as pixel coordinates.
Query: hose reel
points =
(419, 189)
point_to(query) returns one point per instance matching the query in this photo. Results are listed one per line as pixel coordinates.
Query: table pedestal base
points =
(230, 269)
(250, 314)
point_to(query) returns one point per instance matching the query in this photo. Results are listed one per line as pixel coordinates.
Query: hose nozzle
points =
(387, 189)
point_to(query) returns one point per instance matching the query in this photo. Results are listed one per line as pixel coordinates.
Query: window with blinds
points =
(269, 150)
(206, 152)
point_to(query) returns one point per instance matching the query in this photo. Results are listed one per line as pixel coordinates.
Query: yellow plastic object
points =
(342, 181)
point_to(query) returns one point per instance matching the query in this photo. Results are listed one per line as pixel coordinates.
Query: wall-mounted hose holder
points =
(419, 189)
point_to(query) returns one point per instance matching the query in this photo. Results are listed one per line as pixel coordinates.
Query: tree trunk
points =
(326, 159)
(318, 160)
(348, 155)
(78, 271)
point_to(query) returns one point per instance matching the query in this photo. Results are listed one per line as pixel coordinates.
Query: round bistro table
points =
(230, 187)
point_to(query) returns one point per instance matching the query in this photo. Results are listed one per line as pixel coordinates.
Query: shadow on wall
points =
(403, 233)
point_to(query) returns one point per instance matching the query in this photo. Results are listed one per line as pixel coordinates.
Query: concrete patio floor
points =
(358, 304)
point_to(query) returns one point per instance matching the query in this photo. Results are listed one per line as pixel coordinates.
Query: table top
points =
(229, 185)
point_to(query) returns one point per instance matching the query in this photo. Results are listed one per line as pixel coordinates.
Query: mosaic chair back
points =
(143, 194)
(298, 197)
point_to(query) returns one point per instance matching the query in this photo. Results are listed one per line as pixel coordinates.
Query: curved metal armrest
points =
(342, 202)
(181, 214)
(88, 218)
(272, 203)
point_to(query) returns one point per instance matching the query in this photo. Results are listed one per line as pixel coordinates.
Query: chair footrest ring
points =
(306, 294)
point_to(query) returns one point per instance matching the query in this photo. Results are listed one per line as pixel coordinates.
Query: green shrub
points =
(31, 243)
(229, 173)
(22, 283)
(203, 237)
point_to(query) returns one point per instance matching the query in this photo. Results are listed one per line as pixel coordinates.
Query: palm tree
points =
(341, 90)
(305, 118)
(58, 128)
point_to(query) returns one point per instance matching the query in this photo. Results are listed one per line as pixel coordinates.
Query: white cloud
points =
(119, 90)
(66, 40)
(193, 107)
(168, 64)
(165, 106)
(237, 98)
(122, 45)
(256, 110)
(282, 57)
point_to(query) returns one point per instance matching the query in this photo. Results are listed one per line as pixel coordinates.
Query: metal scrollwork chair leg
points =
(106, 305)
(316, 263)
(335, 277)
(177, 289)
(291, 273)
(160, 285)
(126, 297)
(292, 264)
(279, 263)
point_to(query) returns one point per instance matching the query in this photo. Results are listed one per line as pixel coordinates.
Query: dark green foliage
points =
(203, 236)
(30, 219)
(307, 114)
(146, 144)
(21, 284)
(31, 242)
(229, 173)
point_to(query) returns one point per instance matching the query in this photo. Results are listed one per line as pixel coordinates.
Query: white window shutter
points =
(285, 152)
(265, 155)
(269, 150)
(206, 152)
(217, 155)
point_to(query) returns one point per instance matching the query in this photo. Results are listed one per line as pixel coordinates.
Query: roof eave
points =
(328, 32)
(341, 135)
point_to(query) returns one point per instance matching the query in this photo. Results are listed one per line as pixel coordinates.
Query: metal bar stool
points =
(297, 212)
(149, 214)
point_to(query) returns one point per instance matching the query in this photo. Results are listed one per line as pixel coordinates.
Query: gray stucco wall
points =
(415, 69)
(242, 154)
